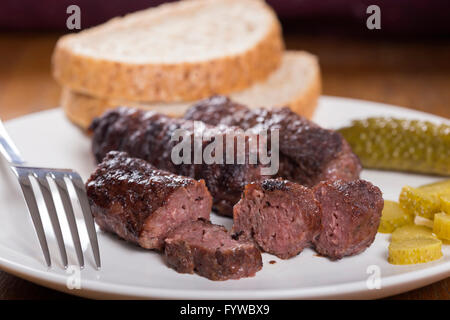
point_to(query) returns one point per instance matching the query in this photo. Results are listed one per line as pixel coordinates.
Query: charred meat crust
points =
(308, 153)
(210, 251)
(275, 184)
(140, 203)
(147, 135)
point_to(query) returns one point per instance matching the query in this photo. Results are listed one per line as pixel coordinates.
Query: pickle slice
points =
(425, 200)
(441, 225)
(411, 232)
(445, 202)
(398, 144)
(440, 187)
(414, 251)
(418, 202)
(393, 217)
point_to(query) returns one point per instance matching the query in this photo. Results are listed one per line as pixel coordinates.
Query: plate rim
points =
(96, 289)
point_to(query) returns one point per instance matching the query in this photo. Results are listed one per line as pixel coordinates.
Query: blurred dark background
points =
(406, 62)
(409, 18)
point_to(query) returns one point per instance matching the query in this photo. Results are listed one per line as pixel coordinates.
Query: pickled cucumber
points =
(411, 232)
(445, 202)
(393, 217)
(414, 251)
(440, 187)
(441, 225)
(415, 201)
(398, 144)
(425, 200)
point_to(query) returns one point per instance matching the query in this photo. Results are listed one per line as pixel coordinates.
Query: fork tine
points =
(49, 203)
(65, 198)
(30, 199)
(88, 219)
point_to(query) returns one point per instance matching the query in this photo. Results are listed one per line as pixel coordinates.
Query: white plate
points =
(48, 139)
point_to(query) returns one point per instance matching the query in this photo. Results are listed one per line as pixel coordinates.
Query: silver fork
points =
(23, 173)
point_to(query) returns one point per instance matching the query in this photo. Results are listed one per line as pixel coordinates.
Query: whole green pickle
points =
(399, 144)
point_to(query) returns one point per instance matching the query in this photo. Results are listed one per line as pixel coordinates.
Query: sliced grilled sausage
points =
(142, 204)
(351, 213)
(210, 251)
(281, 216)
(338, 218)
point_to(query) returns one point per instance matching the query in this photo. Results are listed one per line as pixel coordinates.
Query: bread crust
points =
(82, 109)
(168, 82)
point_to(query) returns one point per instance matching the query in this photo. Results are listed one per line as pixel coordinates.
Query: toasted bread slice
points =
(178, 51)
(296, 83)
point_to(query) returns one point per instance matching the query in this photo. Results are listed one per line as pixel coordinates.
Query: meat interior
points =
(208, 235)
(280, 216)
(184, 205)
(210, 251)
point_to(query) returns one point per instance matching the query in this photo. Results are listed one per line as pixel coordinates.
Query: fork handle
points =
(7, 147)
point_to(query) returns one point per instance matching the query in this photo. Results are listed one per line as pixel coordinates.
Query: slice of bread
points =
(296, 83)
(178, 51)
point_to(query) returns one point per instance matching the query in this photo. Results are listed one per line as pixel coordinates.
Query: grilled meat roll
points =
(338, 218)
(308, 153)
(142, 204)
(351, 212)
(148, 135)
(281, 216)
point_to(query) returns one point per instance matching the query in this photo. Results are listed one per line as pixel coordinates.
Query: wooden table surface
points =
(412, 74)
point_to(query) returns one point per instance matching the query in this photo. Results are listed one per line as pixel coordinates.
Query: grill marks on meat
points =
(147, 135)
(210, 251)
(338, 218)
(308, 153)
(281, 216)
(351, 213)
(140, 203)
